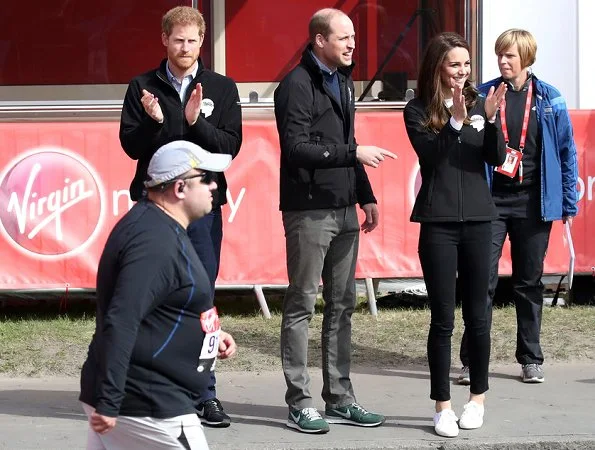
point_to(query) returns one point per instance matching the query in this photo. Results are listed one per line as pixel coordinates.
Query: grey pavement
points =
(558, 414)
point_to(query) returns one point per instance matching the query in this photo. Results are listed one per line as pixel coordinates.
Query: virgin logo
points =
(210, 320)
(51, 203)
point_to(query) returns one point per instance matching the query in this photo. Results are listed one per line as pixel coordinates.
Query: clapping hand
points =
(194, 104)
(458, 109)
(151, 105)
(494, 99)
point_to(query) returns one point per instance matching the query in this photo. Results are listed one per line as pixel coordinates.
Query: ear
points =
(179, 188)
(164, 39)
(319, 41)
(201, 39)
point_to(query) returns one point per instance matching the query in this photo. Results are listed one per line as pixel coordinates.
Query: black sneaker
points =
(211, 413)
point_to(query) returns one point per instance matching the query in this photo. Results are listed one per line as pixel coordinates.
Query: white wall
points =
(554, 23)
(586, 54)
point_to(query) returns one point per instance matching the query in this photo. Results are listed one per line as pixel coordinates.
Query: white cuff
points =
(456, 125)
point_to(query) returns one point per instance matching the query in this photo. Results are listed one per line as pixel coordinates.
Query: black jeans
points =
(206, 235)
(446, 249)
(529, 239)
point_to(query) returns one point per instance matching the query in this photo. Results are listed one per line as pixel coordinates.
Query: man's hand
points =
(371, 155)
(371, 221)
(193, 106)
(101, 424)
(151, 105)
(227, 346)
(567, 219)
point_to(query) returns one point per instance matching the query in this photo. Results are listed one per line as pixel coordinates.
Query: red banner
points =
(63, 186)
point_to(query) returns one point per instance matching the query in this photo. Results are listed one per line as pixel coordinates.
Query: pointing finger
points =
(389, 154)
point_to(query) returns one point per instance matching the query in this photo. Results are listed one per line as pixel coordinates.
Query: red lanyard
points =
(525, 125)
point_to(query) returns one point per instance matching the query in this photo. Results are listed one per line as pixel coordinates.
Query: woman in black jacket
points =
(452, 131)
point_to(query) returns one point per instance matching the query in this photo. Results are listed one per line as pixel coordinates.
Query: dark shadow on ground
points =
(39, 403)
(276, 417)
(416, 371)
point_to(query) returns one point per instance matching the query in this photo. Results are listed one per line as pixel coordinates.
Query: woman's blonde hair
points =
(525, 43)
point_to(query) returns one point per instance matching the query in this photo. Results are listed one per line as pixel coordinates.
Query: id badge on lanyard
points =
(514, 157)
(511, 163)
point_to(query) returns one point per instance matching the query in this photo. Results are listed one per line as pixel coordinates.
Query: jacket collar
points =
(310, 64)
(536, 83)
(162, 70)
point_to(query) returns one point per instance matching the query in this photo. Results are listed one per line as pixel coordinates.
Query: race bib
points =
(209, 322)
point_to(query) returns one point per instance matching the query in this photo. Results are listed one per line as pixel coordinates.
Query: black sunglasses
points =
(206, 177)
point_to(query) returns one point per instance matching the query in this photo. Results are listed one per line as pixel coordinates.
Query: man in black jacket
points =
(322, 178)
(183, 100)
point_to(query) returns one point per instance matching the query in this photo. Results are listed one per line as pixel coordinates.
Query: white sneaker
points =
(472, 416)
(445, 423)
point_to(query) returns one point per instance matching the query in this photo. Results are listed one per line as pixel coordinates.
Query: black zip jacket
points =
(220, 132)
(452, 163)
(319, 168)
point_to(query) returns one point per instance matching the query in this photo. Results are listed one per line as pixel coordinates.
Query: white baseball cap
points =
(178, 157)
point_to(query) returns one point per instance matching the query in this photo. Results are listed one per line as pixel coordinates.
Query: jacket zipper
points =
(316, 142)
(192, 85)
(460, 180)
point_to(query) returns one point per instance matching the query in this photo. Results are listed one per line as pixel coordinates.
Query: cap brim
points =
(214, 162)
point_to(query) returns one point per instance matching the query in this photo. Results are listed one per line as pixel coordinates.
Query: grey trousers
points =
(319, 243)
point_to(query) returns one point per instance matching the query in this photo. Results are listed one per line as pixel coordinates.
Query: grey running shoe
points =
(464, 378)
(532, 373)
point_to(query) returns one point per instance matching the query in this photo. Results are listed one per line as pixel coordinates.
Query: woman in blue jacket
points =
(540, 188)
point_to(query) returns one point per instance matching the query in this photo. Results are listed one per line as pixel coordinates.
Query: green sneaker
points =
(307, 420)
(353, 414)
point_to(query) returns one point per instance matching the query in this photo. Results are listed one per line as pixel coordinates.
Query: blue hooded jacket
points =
(559, 168)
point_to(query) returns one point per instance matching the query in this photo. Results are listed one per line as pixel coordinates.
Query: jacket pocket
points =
(430, 189)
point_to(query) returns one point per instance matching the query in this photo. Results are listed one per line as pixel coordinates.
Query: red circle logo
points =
(52, 203)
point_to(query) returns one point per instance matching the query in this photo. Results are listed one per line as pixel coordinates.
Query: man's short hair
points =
(320, 23)
(183, 15)
(525, 42)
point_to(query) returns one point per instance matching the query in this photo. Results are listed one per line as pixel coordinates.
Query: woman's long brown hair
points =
(429, 84)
